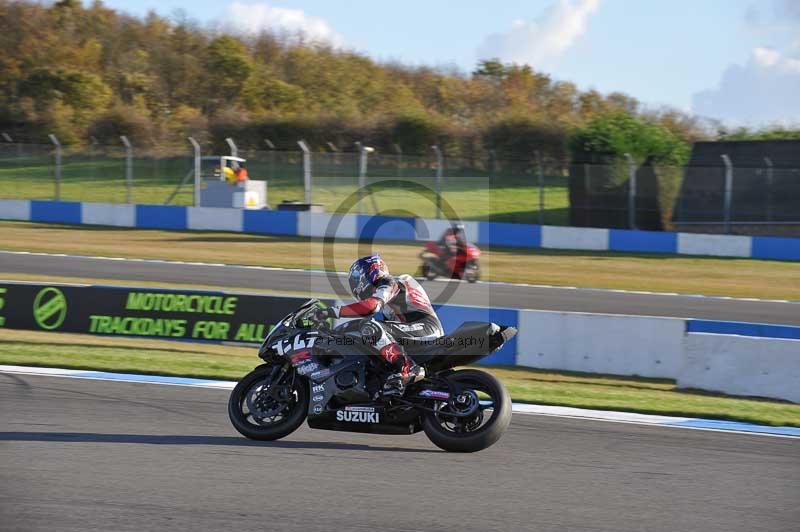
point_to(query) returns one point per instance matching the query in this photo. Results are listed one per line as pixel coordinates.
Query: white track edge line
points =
(610, 416)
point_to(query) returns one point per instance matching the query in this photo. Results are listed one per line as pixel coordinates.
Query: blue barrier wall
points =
(161, 217)
(453, 315)
(270, 222)
(512, 235)
(386, 228)
(757, 330)
(405, 229)
(768, 247)
(66, 212)
(642, 241)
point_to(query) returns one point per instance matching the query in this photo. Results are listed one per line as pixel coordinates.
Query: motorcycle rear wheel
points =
(289, 411)
(472, 272)
(471, 434)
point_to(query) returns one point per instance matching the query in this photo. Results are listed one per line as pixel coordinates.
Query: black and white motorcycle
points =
(331, 377)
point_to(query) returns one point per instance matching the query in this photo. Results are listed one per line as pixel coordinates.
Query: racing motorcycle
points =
(434, 263)
(331, 377)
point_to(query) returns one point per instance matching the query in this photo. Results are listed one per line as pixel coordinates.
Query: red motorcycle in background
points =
(463, 265)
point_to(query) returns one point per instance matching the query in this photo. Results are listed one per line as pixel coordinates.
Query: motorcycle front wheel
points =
(428, 272)
(485, 408)
(264, 410)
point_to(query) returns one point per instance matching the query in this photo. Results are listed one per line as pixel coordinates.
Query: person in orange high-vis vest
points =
(241, 174)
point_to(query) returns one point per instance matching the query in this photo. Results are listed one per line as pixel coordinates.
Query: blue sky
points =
(717, 58)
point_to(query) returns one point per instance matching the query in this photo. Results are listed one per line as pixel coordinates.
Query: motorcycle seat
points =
(467, 334)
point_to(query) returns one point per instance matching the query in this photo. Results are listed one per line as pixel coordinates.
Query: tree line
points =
(83, 72)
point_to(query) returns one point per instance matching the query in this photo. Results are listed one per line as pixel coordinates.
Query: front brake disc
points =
(262, 402)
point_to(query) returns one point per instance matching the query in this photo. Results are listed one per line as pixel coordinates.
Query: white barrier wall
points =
(742, 365)
(555, 237)
(120, 215)
(15, 209)
(327, 225)
(718, 245)
(214, 219)
(601, 343)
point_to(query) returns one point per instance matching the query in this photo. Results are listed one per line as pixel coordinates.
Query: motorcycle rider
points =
(408, 312)
(452, 243)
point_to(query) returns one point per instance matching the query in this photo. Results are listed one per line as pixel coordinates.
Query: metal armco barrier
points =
(154, 313)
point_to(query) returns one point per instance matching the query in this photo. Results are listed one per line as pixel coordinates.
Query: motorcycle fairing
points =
(390, 421)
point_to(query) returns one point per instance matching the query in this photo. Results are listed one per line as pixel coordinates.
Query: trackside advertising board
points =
(145, 312)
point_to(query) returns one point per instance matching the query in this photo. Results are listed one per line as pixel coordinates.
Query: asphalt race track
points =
(82, 455)
(482, 294)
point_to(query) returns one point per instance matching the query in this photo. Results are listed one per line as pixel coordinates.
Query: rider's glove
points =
(323, 314)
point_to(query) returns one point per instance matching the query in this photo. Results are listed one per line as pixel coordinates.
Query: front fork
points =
(277, 373)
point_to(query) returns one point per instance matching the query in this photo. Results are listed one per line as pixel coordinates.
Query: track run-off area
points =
(82, 454)
(487, 294)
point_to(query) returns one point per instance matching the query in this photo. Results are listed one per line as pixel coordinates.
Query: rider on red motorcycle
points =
(406, 307)
(452, 244)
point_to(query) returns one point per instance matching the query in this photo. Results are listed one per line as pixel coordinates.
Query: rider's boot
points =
(410, 372)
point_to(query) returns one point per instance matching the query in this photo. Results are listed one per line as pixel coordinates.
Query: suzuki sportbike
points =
(435, 263)
(332, 378)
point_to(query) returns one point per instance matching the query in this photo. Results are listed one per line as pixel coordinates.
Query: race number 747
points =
(2, 304)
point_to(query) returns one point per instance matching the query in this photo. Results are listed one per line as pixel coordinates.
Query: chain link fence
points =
(538, 190)
(96, 173)
(739, 195)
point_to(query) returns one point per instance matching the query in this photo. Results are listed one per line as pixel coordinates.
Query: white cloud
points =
(544, 40)
(257, 17)
(763, 91)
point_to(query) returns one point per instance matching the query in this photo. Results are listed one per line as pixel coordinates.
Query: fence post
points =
(335, 150)
(728, 192)
(770, 177)
(363, 152)
(361, 178)
(306, 170)
(631, 191)
(271, 148)
(439, 169)
(232, 145)
(399, 151)
(540, 176)
(587, 199)
(93, 155)
(196, 147)
(8, 139)
(128, 167)
(57, 144)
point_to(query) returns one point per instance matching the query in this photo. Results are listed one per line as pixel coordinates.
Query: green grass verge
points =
(664, 273)
(652, 396)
